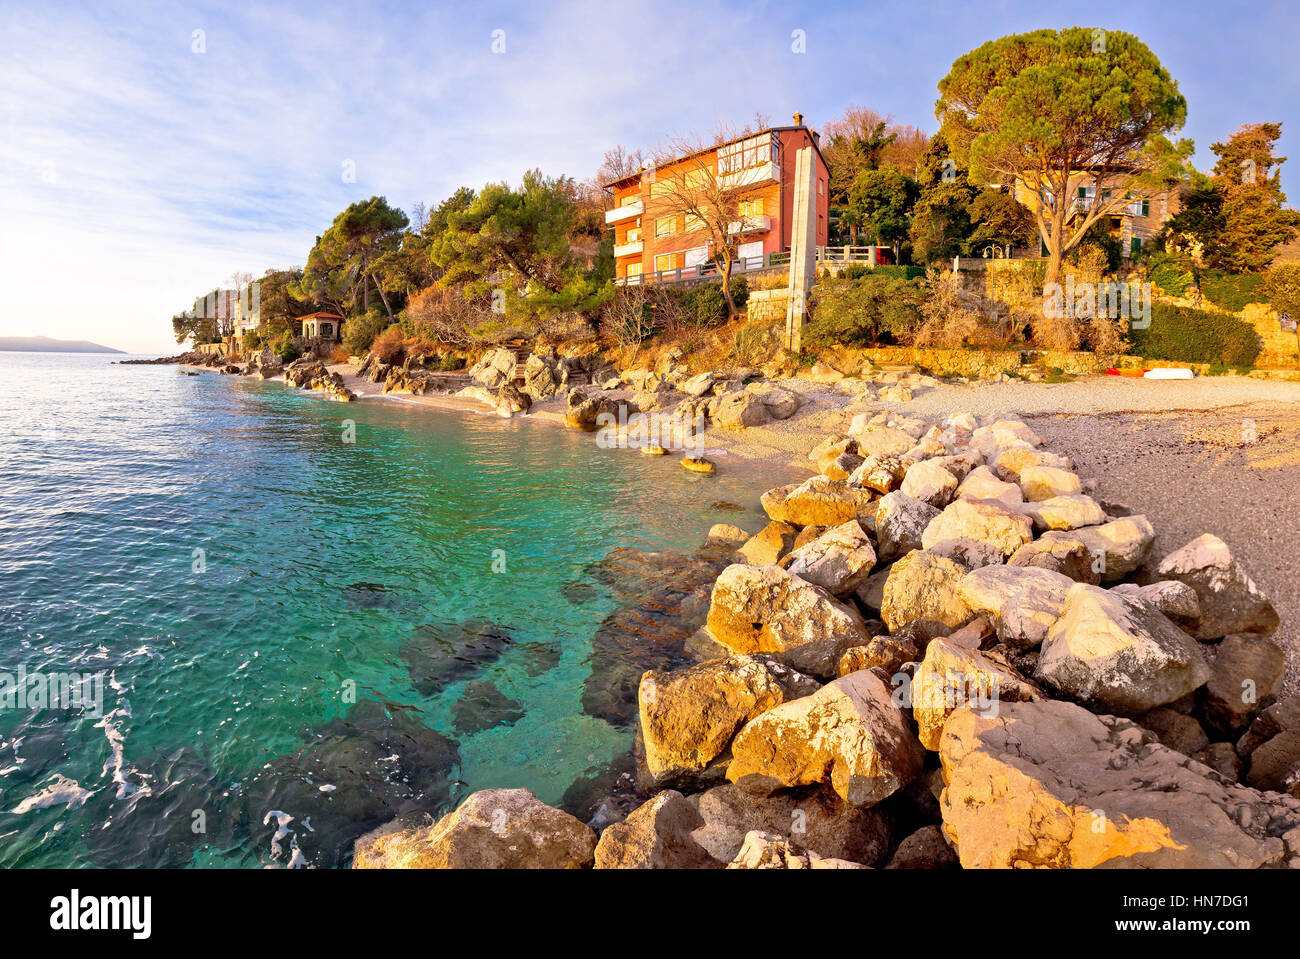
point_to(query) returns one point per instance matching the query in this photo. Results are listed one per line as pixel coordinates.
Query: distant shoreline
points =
(45, 344)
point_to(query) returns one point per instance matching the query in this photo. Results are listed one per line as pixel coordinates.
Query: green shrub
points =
(252, 340)
(360, 331)
(1282, 286)
(859, 312)
(705, 305)
(1186, 335)
(858, 271)
(1232, 291)
(449, 364)
(285, 350)
(1172, 273)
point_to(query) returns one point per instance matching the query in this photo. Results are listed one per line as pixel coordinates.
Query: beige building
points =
(1134, 223)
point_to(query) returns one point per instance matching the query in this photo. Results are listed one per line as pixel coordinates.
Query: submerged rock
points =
(482, 706)
(438, 655)
(357, 773)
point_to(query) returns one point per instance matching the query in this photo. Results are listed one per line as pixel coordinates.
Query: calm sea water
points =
(298, 634)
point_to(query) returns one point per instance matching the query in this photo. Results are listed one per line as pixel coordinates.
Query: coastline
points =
(1120, 441)
(1137, 436)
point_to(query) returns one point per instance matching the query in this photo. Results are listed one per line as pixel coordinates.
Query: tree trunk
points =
(726, 291)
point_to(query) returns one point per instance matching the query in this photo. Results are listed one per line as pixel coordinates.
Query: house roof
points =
(718, 146)
(321, 316)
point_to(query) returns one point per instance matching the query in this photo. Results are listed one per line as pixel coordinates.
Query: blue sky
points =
(144, 163)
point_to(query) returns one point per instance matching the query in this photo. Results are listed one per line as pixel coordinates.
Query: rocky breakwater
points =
(309, 373)
(942, 650)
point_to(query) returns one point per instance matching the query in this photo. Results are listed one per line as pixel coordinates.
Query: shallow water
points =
(299, 634)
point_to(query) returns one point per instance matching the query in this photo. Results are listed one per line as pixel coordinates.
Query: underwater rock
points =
(438, 655)
(357, 773)
(483, 706)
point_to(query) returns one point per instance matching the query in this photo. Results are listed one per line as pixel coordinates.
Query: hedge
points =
(856, 271)
(1232, 291)
(1172, 273)
(1185, 335)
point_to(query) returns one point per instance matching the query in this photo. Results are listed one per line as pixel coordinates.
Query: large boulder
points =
(491, 829)
(980, 483)
(769, 545)
(1044, 482)
(740, 410)
(922, 585)
(1064, 553)
(1118, 654)
(763, 609)
(879, 473)
(816, 818)
(1271, 746)
(1230, 602)
(656, 835)
(849, 733)
(1247, 671)
(839, 560)
(1065, 512)
(952, 676)
(1024, 601)
(989, 521)
(930, 483)
(883, 441)
(689, 716)
(1118, 547)
(1176, 600)
(818, 501)
(1048, 784)
(900, 524)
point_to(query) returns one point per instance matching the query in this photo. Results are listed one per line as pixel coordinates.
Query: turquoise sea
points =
(300, 637)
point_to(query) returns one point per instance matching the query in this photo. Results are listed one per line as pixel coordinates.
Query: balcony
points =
(629, 249)
(621, 213)
(749, 224)
(751, 176)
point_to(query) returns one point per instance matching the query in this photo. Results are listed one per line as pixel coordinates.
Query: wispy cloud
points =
(138, 172)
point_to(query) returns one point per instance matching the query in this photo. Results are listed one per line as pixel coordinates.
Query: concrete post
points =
(803, 247)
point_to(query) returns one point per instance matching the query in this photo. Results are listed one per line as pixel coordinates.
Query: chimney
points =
(798, 119)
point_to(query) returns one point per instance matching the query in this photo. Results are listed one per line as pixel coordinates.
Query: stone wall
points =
(768, 306)
(1002, 286)
(1280, 349)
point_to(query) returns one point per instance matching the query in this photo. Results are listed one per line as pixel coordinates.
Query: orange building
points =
(650, 247)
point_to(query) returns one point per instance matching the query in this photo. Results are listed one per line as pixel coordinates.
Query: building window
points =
(752, 208)
(744, 154)
(661, 188)
(633, 236)
(694, 179)
(633, 269)
(666, 226)
(665, 261)
(693, 224)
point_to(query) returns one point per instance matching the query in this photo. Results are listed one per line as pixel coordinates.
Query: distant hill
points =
(43, 344)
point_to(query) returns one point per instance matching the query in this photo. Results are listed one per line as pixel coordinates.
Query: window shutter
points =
(1135, 246)
(1146, 207)
(1083, 193)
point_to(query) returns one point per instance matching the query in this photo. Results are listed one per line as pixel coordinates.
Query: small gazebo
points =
(322, 326)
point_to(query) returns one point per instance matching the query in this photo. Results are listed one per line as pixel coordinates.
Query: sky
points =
(150, 151)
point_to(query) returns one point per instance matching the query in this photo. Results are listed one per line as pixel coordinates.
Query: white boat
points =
(1169, 373)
